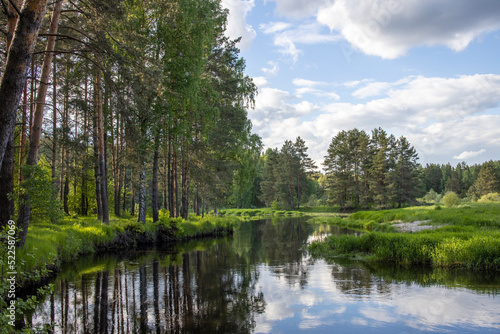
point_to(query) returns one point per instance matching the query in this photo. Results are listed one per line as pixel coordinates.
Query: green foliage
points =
(135, 227)
(379, 170)
(431, 197)
(40, 190)
(450, 199)
(285, 183)
(478, 252)
(491, 197)
(25, 305)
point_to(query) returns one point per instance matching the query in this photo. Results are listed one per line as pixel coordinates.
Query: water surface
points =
(261, 280)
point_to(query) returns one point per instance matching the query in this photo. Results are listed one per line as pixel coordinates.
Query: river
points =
(261, 280)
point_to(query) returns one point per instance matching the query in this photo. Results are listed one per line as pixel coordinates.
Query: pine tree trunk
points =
(65, 195)
(185, 181)
(7, 171)
(25, 207)
(16, 69)
(54, 123)
(101, 148)
(164, 179)
(142, 194)
(155, 182)
(132, 210)
(7, 184)
(97, 176)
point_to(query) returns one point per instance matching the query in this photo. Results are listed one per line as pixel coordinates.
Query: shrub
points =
(491, 197)
(135, 227)
(450, 199)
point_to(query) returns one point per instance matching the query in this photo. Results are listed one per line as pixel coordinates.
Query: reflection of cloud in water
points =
(324, 318)
(322, 303)
(435, 306)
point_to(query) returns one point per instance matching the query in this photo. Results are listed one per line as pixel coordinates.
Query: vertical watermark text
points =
(11, 271)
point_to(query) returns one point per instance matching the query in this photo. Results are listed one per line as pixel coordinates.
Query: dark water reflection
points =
(262, 281)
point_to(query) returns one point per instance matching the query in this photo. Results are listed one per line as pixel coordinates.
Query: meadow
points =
(466, 236)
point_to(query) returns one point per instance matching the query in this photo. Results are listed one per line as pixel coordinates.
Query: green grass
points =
(51, 244)
(466, 237)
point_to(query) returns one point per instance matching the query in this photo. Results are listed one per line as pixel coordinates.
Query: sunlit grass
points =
(52, 243)
(467, 236)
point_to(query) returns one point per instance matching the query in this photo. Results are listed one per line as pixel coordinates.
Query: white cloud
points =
(274, 27)
(316, 92)
(389, 28)
(441, 117)
(299, 8)
(236, 21)
(260, 82)
(372, 89)
(272, 70)
(286, 36)
(355, 83)
(469, 154)
(306, 83)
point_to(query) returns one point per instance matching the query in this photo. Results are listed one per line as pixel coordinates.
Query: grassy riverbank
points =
(464, 237)
(50, 244)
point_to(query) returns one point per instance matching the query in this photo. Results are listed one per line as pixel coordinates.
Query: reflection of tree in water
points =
(280, 242)
(210, 290)
(362, 279)
(355, 279)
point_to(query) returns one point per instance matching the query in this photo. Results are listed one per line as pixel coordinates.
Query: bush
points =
(450, 199)
(491, 197)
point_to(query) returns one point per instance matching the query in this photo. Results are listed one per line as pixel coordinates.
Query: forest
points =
(136, 107)
(123, 105)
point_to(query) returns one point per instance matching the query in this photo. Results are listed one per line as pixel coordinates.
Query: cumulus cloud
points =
(442, 117)
(469, 154)
(389, 28)
(286, 36)
(236, 21)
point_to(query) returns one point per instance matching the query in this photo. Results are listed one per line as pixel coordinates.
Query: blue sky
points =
(425, 69)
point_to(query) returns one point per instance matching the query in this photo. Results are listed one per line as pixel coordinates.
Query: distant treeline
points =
(365, 171)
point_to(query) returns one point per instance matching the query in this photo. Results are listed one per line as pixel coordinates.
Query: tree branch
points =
(68, 37)
(15, 7)
(77, 30)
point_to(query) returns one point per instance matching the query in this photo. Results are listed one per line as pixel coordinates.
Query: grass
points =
(51, 244)
(469, 237)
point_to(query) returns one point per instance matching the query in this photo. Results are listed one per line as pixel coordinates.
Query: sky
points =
(424, 69)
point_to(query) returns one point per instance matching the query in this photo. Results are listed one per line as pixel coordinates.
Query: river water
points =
(261, 280)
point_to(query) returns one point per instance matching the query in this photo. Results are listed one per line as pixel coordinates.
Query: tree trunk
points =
(164, 179)
(142, 194)
(97, 176)
(132, 210)
(155, 182)
(101, 149)
(7, 169)
(16, 69)
(7, 184)
(65, 195)
(54, 123)
(83, 199)
(25, 207)
(185, 181)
